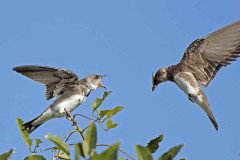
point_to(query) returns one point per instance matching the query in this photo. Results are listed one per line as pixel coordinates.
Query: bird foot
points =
(192, 98)
(68, 118)
(74, 123)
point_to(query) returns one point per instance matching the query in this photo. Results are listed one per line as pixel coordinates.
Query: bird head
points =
(160, 76)
(94, 81)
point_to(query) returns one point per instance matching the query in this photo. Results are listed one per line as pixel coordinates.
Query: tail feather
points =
(214, 122)
(30, 127)
(206, 107)
(211, 116)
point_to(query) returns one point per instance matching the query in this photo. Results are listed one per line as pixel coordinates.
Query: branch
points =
(81, 133)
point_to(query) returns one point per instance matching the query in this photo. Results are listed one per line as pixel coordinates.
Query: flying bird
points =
(69, 90)
(200, 64)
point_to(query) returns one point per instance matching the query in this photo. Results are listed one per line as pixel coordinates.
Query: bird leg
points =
(68, 117)
(190, 97)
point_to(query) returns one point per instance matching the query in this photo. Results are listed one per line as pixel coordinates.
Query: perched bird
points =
(200, 64)
(70, 91)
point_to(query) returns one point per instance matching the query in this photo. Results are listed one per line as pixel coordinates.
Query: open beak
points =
(102, 76)
(100, 83)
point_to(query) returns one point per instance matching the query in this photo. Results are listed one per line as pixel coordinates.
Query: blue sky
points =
(127, 40)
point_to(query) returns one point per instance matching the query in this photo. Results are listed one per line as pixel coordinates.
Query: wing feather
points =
(206, 56)
(55, 79)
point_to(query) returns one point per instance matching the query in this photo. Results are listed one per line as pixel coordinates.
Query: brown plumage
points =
(200, 64)
(206, 56)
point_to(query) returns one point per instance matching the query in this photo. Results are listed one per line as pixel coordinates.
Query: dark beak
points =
(154, 87)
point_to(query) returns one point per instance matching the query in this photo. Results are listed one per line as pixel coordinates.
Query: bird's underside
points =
(187, 82)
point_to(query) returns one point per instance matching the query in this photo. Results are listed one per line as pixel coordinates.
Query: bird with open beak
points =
(200, 64)
(70, 91)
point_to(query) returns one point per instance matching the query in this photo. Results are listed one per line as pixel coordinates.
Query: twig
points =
(97, 121)
(119, 150)
(82, 135)
(66, 139)
(45, 150)
(84, 117)
(68, 136)
(76, 124)
(78, 128)
(77, 143)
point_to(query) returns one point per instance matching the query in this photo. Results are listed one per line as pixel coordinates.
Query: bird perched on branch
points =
(70, 91)
(200, 64)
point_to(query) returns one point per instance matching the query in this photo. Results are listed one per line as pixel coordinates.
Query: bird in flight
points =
(70, 91)
(200, 64)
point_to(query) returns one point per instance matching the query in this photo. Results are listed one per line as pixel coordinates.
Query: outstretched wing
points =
(206, 56)
(55, 79)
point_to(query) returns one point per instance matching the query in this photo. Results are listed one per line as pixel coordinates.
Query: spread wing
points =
(55, 79)
(206, 56)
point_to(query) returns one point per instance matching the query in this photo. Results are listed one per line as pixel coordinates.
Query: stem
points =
(119, 150)
(68, 136)
(76, 124)
(100, 123)
(78, 128)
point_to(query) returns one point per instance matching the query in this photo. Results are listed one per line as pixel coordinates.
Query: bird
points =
(69, 90)
(200, 63)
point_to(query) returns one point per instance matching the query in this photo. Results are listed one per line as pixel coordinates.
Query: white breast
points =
(185, 85)
(70, 104)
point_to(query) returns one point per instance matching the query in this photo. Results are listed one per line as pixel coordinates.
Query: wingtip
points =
(17, 69)
(14, 68)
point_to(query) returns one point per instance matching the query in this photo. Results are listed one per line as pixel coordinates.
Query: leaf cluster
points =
(86, 148)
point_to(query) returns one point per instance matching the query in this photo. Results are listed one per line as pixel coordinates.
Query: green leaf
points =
(77, 152)
(183, 159)
(35, 157)
(24, 132)
(110, 124)
(91, 137)
(171, 153)
(59, 142)
(113, 112)
(63, 155)
(110, 153)
(95, 156)
(83, 149)
(121, 159)
(109, 113)
(143, 153)
(99, 101)
(102, 113)
(6, 155)
(38, 142)
(153, 144)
